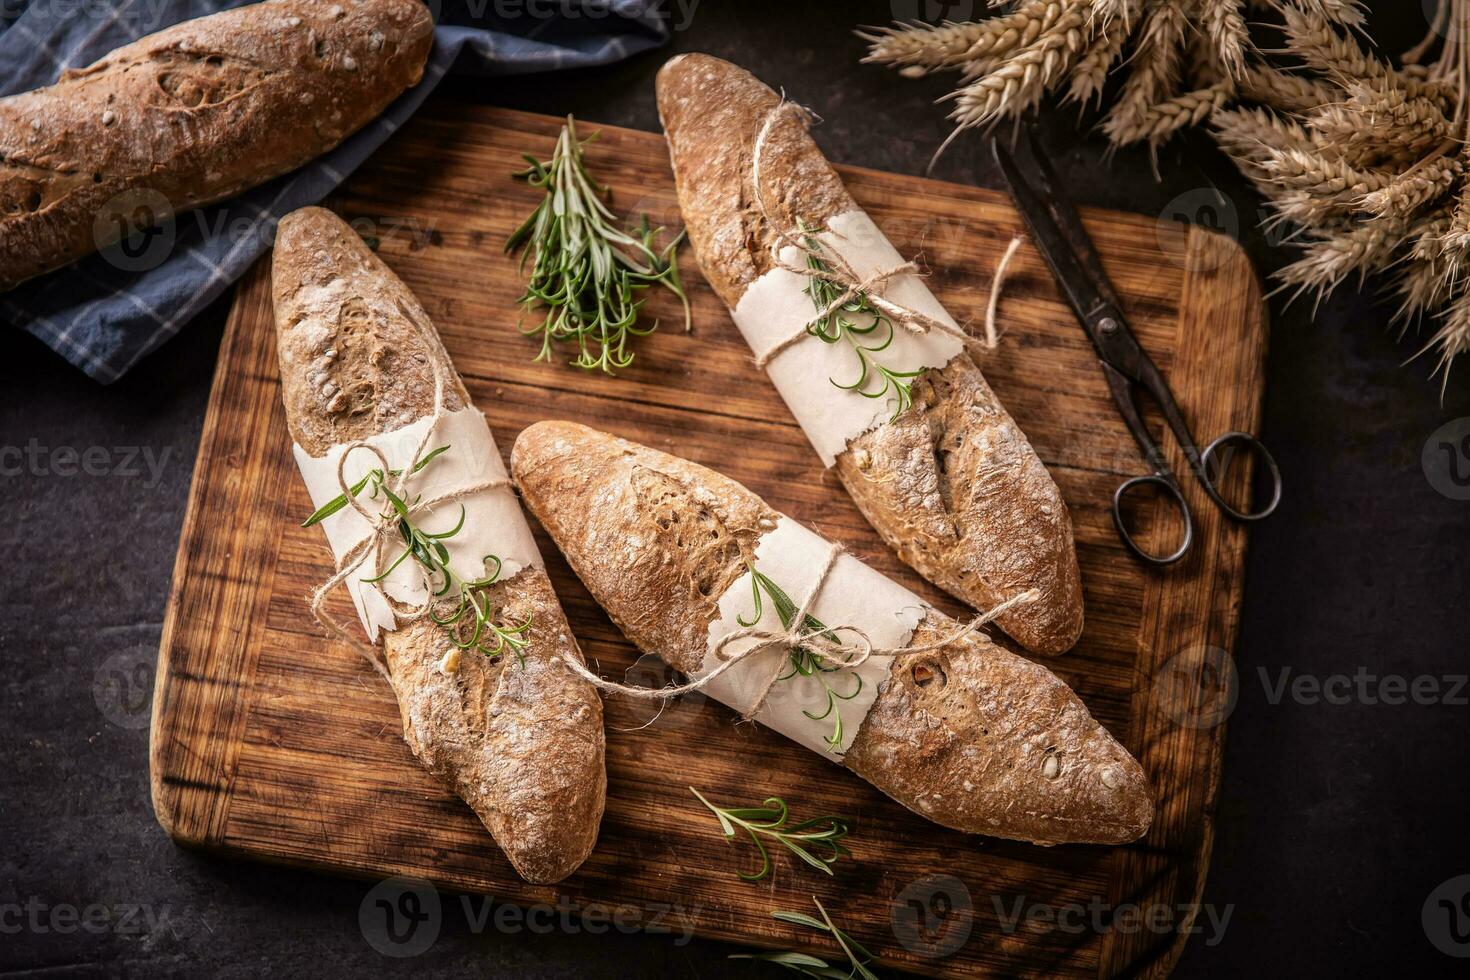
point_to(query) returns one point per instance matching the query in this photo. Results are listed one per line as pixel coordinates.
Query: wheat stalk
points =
(1224, 27)
(1453, 336)
(1091, 70)
(1318, 172)
(1021, 81)
(1330, 260)
(1407, 193)
(1360, 162)
(1289, 93)
(957, 45)
(1158, 121)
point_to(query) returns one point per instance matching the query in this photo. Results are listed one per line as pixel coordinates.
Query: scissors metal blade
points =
(1059, 236)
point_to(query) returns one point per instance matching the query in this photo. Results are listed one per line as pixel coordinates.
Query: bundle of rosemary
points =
(1367, 162)
(586, 272)
(468, 619)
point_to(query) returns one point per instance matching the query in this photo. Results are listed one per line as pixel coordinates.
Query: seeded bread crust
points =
(972, 737)
(522, 744)
(193, 115)
(952, 484)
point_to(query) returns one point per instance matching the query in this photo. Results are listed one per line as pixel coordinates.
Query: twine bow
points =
(835, 269)
(385, 524)
(822, 644)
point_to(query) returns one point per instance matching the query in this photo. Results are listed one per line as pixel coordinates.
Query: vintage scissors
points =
(1059, 235)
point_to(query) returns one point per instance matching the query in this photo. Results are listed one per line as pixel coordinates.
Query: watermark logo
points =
(135, 231)
(1197, 687)
(932, 10)
(400, 916)
(934, 916)
(1205, 207)
(1446, 917)
(1446, 459)
(122, 687)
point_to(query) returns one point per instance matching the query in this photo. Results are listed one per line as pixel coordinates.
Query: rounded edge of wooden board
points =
(1209, 251)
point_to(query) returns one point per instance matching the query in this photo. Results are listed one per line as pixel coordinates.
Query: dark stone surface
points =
(1336, 820)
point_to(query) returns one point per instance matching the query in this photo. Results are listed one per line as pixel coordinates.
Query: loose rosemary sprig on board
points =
(770, 821)
(585, 270)
(803, 661)
(839, 325)
(807, 965)
(479, 631)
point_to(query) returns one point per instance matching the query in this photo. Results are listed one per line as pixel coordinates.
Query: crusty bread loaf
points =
(971, 736)
(952, 484)
(521, 743)
(192, 115)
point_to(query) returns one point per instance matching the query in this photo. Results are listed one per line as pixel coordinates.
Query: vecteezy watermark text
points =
(1363, 686)
(129, 462)
(402, 916)
(39, 917)
(1099, 917)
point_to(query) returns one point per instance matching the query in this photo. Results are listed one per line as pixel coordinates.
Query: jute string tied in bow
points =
(384, 524)
(823, 644)
(836, 269)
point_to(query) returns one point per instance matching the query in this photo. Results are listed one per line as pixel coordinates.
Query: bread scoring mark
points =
(710, 555)
(193, 80)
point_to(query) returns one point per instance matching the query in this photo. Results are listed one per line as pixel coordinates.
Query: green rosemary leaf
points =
(331, 507)
(803, 662)
(770, 821)
(585, 271)
(834, 327)
(785, 959)
(806, 964)
(797, 918)
(374, 476)
(485, 634)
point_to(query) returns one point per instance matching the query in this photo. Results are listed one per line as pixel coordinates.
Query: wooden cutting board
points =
(271, 742)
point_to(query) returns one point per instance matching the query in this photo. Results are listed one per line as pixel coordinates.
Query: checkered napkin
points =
(107, 311)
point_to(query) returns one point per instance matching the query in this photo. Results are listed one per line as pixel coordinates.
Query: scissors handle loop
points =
(1171, 489)
(1212, 471)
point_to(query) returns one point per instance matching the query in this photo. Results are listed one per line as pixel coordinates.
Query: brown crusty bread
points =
(192, 115)
(952, 484)
(522, 744)
(971, 737)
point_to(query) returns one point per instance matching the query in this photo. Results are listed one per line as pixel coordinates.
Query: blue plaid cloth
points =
(107, 311)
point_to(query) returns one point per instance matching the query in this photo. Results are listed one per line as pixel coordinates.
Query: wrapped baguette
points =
(968, 735)
(192, 115)
(518, 736)
(950, 482)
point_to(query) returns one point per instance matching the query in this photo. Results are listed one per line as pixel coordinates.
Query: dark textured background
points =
(1336, 821)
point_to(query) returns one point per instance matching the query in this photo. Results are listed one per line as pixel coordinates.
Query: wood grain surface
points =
(270, 742)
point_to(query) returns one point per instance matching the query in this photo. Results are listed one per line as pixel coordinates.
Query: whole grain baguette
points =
(951, 484)
(192, 115)
(970, 736)
(522, 743)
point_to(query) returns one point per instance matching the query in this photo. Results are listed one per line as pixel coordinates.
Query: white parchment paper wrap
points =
(853, 595)
(493, 524)
(774, 307)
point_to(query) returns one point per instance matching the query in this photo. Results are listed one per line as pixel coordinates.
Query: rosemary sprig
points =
(804, 663)
(331, 507)
(770, 821)
(472, 625)
(807, 965)
(585, 270)
(839, 326)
